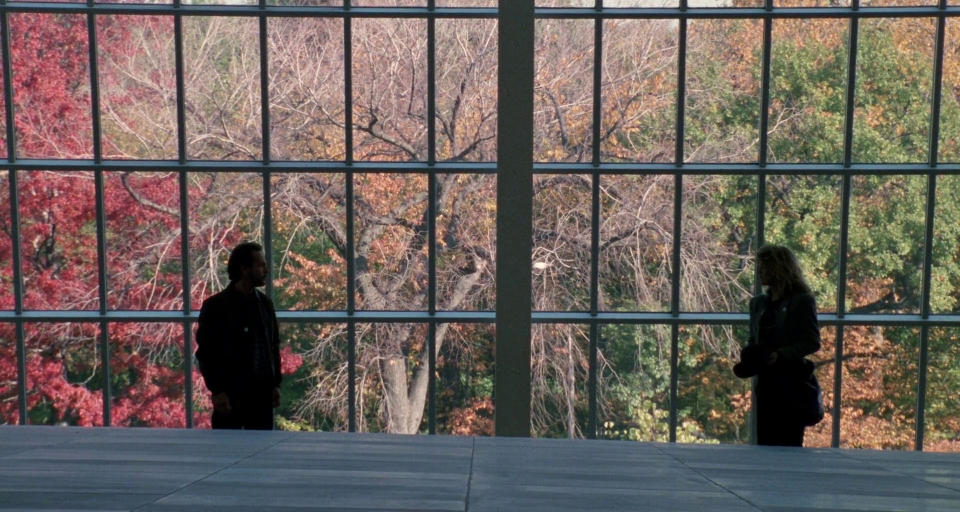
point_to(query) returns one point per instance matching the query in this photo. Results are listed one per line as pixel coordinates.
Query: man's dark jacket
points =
(226, 343)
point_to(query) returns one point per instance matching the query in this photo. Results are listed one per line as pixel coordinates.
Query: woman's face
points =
(764, 274)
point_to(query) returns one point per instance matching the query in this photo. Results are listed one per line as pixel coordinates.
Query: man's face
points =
(257, 272)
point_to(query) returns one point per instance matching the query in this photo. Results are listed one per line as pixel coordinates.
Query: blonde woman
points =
(783, 330)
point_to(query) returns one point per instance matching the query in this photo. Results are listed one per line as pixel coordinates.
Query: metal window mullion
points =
(933, 157)
(677, 221)
(184, 217)
(432, 218)
(349, 193)
(13, 193)
(595, 220)
(845, 221)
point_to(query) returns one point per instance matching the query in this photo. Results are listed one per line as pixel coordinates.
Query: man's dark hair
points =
(241, 256)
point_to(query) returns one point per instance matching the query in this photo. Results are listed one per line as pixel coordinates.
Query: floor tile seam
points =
(51, 445)
(218, 471)
(952, 490)
(473, 457)
(707, 478)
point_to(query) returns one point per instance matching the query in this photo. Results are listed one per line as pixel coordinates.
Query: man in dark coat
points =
(238, 345)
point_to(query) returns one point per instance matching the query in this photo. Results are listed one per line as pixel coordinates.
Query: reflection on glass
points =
(222, 84)
(466, 118)
(561, 242)
(563, 91)
(306, 88)
(224, 210)
(638, 122)
(143, 240)
(713, 405)
(633, 383)
(52, 121)
(314, 394)
(465, 375)
(147, 375)
(879, 394)
(941, 421)
(309, 241)
(723, 90)
(58, 240)
(466, 242)
(808, 81)
(716, 260)
(803, 213)
(559, 365)
(392, 377)
(138, 112)
(636, 242)
(894, 70)
(64, 374)
(945, 270)
(886, 244)
(389, 89)
(391, 241)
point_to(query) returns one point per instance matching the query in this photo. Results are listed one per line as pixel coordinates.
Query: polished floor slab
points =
(62, 468)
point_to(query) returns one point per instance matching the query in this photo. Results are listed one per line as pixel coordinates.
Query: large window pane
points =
(633, 383)
(225, 209)
(389, 89)
(942, 414)
(52, 109)
(945, 271)
(306, 88)
(894, 71)
(466, 242)
(723, 90)
(466, 120)
(879, 395)
(392, 378)
(147, 375)
(716, 257)
(314, 394)
(949, 147)
(309, 241)
(559, 365)
(713, 405)
(138, 110)
(636, 242)
(465, 375)
(222, 87)
(563, 91)
(143, 240)
(885, 254)
(64, 374)
(803, 213)
(638, 122)
(58, 240)
(391, 241)
(561, 242)
(9, 389)
(808, 80)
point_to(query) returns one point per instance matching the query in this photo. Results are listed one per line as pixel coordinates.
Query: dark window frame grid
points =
(596, 168)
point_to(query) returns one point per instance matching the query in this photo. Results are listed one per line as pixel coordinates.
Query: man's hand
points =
(276, 397)
(772, 358)
(221, 402)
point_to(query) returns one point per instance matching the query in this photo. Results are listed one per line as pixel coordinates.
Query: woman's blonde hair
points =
(784, 269)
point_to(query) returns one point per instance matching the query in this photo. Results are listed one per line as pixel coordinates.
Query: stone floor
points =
(58, 468)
